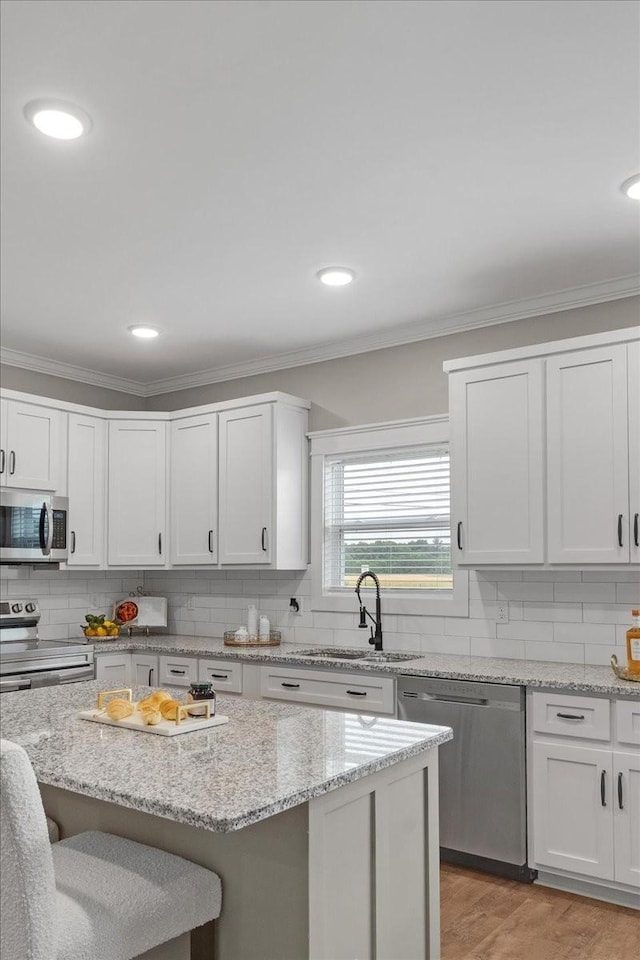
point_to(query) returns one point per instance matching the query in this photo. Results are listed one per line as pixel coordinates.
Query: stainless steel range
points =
(27, 662)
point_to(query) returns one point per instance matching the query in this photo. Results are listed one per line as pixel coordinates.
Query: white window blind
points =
(388, 512)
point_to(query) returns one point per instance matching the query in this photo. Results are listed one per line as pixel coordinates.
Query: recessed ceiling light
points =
(144, 332)
(55, 118)
(632, 187)
(336, 276)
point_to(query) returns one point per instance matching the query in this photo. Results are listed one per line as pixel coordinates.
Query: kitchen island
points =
(322, 825)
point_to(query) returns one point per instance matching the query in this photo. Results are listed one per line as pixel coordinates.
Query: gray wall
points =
(44, 385)
(405, 381)
(389, 384)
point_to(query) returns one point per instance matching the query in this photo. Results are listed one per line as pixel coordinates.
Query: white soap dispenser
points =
(252, 620)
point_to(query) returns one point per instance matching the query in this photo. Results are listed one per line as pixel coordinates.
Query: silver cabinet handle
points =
(210, 541)
(160, 544)
(263, 539)
(12, 462)
(570, 716)
(603, 788)
(150, 676)
(620, 543)
(2, 460)
(179, 673)
(459, 534)
(620, 803)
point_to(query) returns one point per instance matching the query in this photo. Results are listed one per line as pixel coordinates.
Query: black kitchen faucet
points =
(376, 635)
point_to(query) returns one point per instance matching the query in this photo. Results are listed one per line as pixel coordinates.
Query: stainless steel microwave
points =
(33, 527)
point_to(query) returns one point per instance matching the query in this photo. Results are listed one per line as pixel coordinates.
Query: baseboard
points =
(587, 888)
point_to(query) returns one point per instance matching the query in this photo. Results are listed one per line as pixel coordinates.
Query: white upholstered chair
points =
(92, 897)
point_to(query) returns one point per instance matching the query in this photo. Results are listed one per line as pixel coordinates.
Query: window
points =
(388, 512)
(381, 501)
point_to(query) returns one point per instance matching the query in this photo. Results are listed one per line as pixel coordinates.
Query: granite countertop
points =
(528, 673)
(267, 758)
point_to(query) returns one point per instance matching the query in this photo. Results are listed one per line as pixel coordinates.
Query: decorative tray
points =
(622, 672)
(186, 720)
(252, 640)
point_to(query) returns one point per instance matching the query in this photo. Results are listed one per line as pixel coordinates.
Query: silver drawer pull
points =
(294, 686)
(179, 673)
(570, 716)
(219, 676)
(357, 693)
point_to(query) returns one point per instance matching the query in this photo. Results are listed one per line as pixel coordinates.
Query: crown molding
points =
(69, 371)
(616, 289)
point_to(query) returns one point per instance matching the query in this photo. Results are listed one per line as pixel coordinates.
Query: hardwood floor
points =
(489, 918)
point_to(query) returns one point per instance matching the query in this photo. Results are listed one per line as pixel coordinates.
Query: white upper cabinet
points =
(263, 486)
(194, 490)
(246, 485)
(633, 355)
(588, 456)
(87, 484)
(545, 453)
(137, 493)
(32, 447)
(497, 463)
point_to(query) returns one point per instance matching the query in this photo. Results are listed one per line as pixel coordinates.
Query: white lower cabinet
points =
(572, 789)
(224, 675)
(178, 671)
(114, 668)
(144, 670)
(364, 692)
(585, 792)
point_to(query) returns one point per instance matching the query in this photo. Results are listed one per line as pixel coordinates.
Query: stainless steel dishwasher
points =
(483, 797)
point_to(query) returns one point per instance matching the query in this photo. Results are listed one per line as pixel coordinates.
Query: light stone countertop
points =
(267, 758)
(529, 673)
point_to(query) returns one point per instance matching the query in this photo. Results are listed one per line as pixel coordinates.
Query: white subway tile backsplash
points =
(454, 645)
(469, 627)
(584, 633)
(628, 593)
(600, 654)
(497, 647)
(606, 613)
(538, 631)
(585, 592)
(530, 590)
(571, 612)
(554, 652)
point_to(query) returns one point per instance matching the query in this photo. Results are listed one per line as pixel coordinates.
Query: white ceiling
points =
(457, 155)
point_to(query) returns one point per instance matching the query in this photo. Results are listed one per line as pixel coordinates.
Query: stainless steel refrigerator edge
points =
(483, 796)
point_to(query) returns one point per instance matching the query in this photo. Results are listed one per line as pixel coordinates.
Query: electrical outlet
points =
(295, 606)
(502, 614)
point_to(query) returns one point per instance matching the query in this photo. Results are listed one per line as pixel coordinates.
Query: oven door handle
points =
(46, 514)
(8, 686)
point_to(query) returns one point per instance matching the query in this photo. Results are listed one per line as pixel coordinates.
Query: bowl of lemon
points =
(99, 628)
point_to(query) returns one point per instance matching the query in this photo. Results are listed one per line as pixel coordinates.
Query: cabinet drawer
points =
(225, 675)
(178, 671)
(365, 693)
(628, 721)
(564, 715)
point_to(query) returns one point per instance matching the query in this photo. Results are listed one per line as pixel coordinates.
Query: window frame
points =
(370, 439)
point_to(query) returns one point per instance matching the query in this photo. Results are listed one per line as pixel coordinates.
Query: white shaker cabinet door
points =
(194, 490)
(144, 670)
(497, 464)
(633, 354)
(626, 771)
(137, 493)
(573, 797)
(588, 456)
(246, 486)
(35, 447)
(114, 668)
(87, 508)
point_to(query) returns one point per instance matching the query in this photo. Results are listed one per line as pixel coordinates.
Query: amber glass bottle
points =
(633, 644)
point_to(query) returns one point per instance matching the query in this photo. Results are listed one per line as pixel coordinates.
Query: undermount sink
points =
(378, 656)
